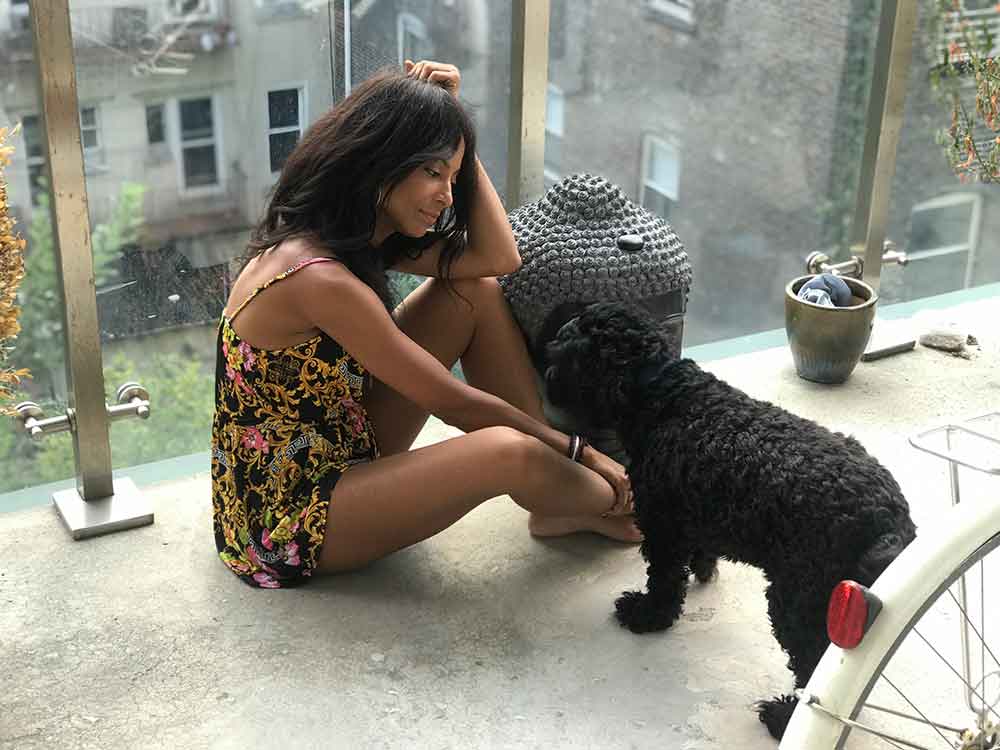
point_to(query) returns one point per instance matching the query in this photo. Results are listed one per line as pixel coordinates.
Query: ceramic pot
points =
(827, 342)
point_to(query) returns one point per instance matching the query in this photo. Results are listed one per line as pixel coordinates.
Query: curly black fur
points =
(719, 474)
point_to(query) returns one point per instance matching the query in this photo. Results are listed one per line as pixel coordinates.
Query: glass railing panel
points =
(188, 111)
(40, 345)
(945, 207)
(741, 124)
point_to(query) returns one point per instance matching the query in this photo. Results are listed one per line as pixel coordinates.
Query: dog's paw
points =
(776, 713)
(642, 613)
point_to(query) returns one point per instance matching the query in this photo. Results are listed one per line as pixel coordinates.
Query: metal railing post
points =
(883, 122)
(529, 64)
(99, 504)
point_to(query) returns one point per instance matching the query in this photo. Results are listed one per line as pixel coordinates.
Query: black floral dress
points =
(288, 423)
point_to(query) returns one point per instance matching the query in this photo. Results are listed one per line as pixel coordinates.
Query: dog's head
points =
(597, 358)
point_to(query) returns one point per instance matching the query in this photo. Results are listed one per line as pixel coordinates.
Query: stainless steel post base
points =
(125, 509)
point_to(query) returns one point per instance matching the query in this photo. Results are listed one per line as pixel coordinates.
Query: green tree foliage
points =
(181, 389)
(40, 344)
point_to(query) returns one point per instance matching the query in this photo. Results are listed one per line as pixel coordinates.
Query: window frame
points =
(178, 144)
(975, 227)
(163, 123)
(409, 22)
(30, 161)
(91, 151)
(552, 172)
(677, 13)
(302, 89)
(646, 151)
(211, 13)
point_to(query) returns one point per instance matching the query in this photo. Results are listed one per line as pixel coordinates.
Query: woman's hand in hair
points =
(443, 74)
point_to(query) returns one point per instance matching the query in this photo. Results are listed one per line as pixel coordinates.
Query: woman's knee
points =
(515, 452)
(477, 292)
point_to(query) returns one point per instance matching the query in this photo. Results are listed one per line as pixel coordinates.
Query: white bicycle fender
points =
(903, 587)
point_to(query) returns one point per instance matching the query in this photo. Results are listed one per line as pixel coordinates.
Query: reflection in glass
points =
(948, 227)
(743, 129)
(39, 346)
(187, 115)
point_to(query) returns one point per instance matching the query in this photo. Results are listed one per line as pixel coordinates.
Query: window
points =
(19, 21)
(199, 157)
(678, 13)
(34, 155)
(555, 121)
(284, 124)
(944, 237)
(88, 129)
(412, 40)
(156, 130)
(191, 10)
(661, 167)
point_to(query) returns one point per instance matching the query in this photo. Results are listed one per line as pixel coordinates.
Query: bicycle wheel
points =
(904, 685)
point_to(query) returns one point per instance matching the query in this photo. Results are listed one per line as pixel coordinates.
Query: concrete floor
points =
(479, 638)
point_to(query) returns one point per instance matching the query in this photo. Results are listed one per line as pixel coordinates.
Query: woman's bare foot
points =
(622, 528)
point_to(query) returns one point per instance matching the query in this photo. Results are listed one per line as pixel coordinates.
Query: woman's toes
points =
(621, 528)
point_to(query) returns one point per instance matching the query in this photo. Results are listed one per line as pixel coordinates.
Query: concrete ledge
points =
(479, 638)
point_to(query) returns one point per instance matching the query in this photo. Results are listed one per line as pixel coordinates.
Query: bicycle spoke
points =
(910, 717)
(896, 742)
(973, 626)
(955, 671)
(982, 651)
(922, 716)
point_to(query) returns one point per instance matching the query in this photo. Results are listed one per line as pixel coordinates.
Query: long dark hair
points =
(350, 160)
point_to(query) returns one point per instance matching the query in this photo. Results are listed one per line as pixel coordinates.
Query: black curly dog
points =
(719, 474)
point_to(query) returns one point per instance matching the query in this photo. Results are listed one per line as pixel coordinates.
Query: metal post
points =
(98, 504)
(347, 47)
(884, 121)
(529, 64)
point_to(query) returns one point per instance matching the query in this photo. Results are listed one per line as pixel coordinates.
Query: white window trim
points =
(409, 23)
(173, 125)
(91, 151)
(554, 92)
(975, 224)
(303, 90)
(682, 10)
(165, 107)
(32, 161)
(648, 139)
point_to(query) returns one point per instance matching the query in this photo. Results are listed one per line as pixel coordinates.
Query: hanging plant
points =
(11, 273)
(968, 80)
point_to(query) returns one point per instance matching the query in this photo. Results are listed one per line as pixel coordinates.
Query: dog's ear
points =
(553, 323)
(649, 372)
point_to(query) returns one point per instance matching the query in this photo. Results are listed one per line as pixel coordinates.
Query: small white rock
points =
(378, 658)
(945, 339)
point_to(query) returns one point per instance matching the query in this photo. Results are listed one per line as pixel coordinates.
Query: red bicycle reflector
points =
(852, 610)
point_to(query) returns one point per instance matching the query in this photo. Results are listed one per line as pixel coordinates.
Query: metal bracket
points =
(125, 507)
(819, 262)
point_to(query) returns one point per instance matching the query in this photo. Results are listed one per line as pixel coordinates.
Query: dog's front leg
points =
(666, 585)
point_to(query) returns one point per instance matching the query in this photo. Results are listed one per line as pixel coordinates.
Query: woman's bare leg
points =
(480, 331)
(396, 501)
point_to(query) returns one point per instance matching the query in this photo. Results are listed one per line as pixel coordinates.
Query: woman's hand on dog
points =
(616, 476)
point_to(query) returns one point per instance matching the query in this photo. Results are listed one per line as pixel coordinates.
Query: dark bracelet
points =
(576, 445)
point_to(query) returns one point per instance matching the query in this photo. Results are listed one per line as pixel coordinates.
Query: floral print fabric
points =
(287, 424)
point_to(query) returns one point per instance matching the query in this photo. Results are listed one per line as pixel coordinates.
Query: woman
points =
(321, 390)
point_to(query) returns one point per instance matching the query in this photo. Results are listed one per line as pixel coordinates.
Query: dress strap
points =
(283, 275)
